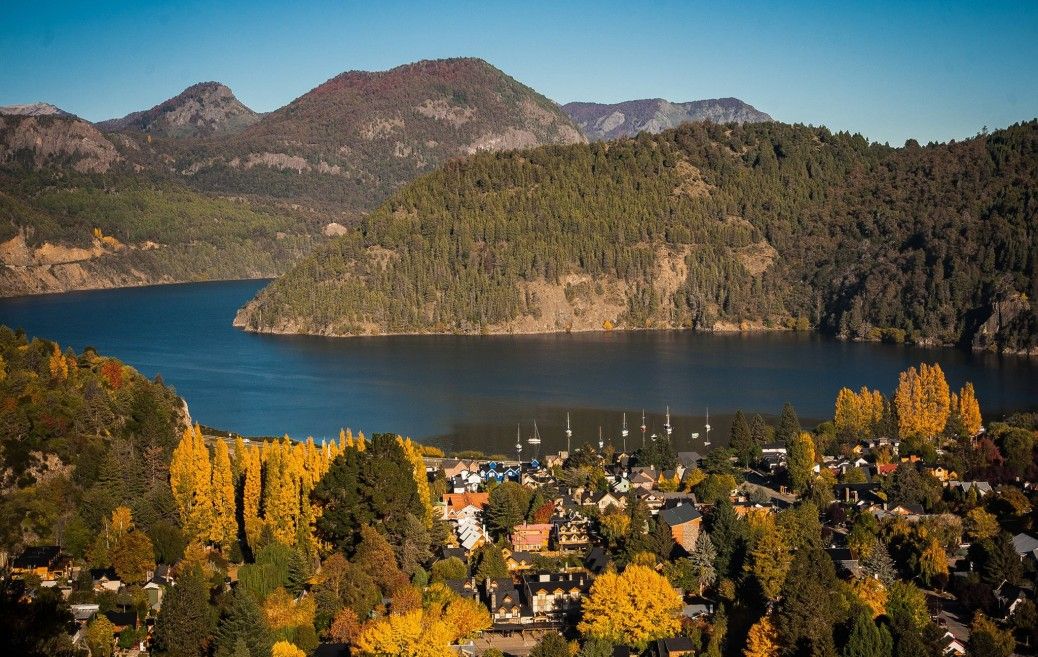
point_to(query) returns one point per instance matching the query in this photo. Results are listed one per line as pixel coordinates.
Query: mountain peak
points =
(601, 121)
(202, 110)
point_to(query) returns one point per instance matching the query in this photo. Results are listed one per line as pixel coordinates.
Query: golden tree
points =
(923, 402)
(413, 452)
(225, 524)
(633, 608)
(414, 634)
(252, 489)
(286, 649)
(872, 593)
(969, 410)
(190, 478)
(763, 640)
(857, 413)
(769, 561)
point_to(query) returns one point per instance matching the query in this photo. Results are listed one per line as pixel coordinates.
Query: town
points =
(903, 526)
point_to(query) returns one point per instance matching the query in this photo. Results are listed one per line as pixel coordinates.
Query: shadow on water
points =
(469, 392)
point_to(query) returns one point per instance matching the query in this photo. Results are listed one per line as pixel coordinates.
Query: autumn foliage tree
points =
(633, 608)
(923, 402)
(857, 414)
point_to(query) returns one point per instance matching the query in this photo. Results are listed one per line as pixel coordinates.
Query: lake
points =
(471, 391)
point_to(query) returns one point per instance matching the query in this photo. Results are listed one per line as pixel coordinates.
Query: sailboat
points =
(643, 428)
(624, 433)
(666, 425)
(535, 439)
(518, 445)
(569, 434)
(601, 444)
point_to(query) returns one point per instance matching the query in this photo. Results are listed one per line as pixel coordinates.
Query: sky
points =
(932, 71)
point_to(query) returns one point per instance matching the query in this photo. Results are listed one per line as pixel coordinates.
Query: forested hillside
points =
(706, 226)
(81, 434)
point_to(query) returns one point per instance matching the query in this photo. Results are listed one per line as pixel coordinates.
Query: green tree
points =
(728, 534)
(868, 639)
(507, 507)
(788, 425)
(100, 637)
(740, 440)
(448, 569)
(490, 563)
(800, 462)
(810, 605)
(551, 645)
(243, 625)
(184, 627)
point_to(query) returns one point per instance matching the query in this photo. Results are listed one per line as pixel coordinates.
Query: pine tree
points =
(703, 559)
(243, 623)
(878, 564)
(810, 604)
(740, 440)
(225, 524)
(788, 426)
(867, 639)
(184, 626)
(728, 534)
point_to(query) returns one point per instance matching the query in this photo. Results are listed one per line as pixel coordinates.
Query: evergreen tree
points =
(703, 560)
(741, 441)
(810, 605)
(300, 570)
(788, 426)
(728, 534)
(868, 639)
(184, 626)
(491, 563)
(243, 625)
(759, 432)
(878, 564)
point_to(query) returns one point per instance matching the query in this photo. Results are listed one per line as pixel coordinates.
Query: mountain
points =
(356, 138)
(601, 121)
(36, 141)
(708, 226)
(201, 187)
(201, 110)
(33, 109)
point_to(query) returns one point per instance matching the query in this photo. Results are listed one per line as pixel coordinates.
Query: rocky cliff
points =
(600, 121)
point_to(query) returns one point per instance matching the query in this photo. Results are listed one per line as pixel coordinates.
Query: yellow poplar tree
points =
(281, 493)
(923, 401)
(413, 634)
(225, 524)
(857, 413)
(633, 608)
(286, 649)
(190, 476)
(872, 593)
(252, 487)
(763, 640)
(969, 410)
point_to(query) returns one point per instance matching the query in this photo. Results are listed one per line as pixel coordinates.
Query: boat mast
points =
(518, 445)
(569, 434)
(707, 441)
(643, 428)
(601, 444)
(667, 426)
(624, 432)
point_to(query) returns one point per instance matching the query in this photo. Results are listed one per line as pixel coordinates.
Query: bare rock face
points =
(201, 110)
(611, 121)
(38, 141)
(990, 335)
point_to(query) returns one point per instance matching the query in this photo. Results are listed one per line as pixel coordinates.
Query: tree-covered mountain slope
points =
(706, 226)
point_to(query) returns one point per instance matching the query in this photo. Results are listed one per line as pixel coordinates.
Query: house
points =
(531, 537)
(553, 596)
(459, 505)
(82, 613)
(952, 646)
(621, 486)
(463, 588)
(674, 647)
(774, 449)
(684, 523)
(846, 565)
(105, 579)
(654, 500)
(884, 469)
(154, 591)
(573, 534)
(122, 619)
(694, 611)
(1026, 546)
(644, 479)
(506, 608)
(519, 561)
(855, 493)
(596, 560)
(942, 474)
(454, 467)
(689, 460)
(982, 487)
(605, 500)
(45, 561)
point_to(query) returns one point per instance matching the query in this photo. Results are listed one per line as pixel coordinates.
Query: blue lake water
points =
(471, 391)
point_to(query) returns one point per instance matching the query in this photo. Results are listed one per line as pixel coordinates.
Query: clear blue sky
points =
(890, 70)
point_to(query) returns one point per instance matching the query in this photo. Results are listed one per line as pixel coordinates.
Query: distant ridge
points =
(33, 109)
(201, 110)
(601, 121)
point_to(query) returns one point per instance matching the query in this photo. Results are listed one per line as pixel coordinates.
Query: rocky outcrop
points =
(601, 121)
(39, 141)
(991, 335)
(201, 110)
(33, 109)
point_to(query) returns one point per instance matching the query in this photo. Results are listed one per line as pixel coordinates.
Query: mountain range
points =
(601, 121)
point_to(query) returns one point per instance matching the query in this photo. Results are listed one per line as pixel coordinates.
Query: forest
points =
(706, 226)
